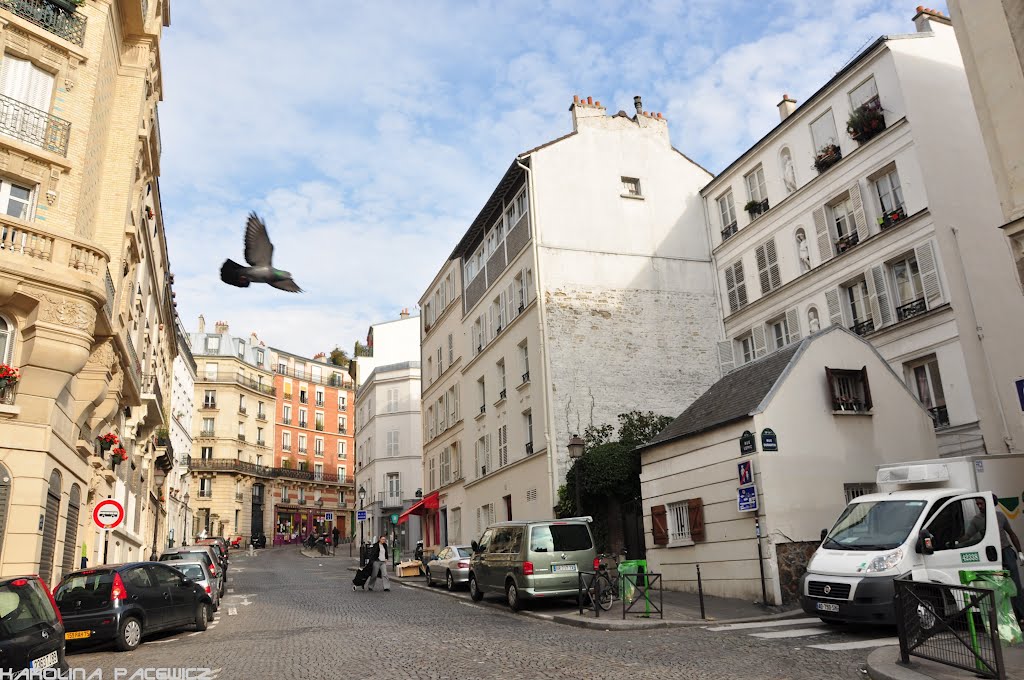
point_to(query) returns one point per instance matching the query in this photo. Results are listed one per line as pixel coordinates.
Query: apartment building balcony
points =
(940, 416)
(206, 433)
(251, 383)
(320, 403)
(303, 399)
(529, 448)
(261, 442)
(152, 393)
(286, 447)
(261, 415)
(205, 493)
(304, 423)
(286, 421)
(729, 231)
(33, 126)
(389, 500)
(342, 430)
(864, 327)
(239, 496)
(911, 309)
(230, 465)
(319, 427)
(312, 476)
(241, 437)
(135, 368)
(302, 450)
(242, 410)
(211, 404)
(7, 395)
(108, 304)
(62, 23)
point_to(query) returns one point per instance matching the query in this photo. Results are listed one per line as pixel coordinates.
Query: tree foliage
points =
(339, 357)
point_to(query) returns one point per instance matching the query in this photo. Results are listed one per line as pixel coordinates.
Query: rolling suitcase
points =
(361, 576)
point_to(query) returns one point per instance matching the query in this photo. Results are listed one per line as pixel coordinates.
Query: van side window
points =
(500, 542)
(485, 540)
(935, 507)
(540, 540)
(960, 524)
(515, 541)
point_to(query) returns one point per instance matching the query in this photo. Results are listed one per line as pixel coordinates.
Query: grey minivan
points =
(527, 560)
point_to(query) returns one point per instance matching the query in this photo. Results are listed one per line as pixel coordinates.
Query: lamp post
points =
(184, 529)
(576, 446)
(362, 495)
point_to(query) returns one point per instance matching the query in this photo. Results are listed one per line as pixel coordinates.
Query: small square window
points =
(631, 186)
(849, 390)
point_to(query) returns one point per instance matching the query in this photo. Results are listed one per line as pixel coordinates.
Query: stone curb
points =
(312, 553)
(882, 665)
(610, 623)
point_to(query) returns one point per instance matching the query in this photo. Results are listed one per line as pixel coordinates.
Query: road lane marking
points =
(763, 624)
(799, 632)
(232, 611)
(857, 644)
(194, 634)
(160, 642)
(231, 590)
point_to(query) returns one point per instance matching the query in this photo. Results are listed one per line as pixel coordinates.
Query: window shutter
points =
(730, 286)
(831, 387)
(929, 273)
(824, 236)
(860, 222)
(867, 387)
(773, 263)
(793, 324)
(760, 346)
(880, 296)
(659, 525)
(762, 269)
(741, 284)
(510, 296)
(726, 360)
(695, 514)
(835, 311)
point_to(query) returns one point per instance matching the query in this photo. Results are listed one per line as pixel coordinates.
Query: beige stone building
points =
(86, 308)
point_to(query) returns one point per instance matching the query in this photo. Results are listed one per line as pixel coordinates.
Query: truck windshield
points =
(874, 525)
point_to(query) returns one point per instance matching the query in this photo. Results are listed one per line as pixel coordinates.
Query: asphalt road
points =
(289, 616)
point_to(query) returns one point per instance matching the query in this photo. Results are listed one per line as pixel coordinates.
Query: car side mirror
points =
(824, 535)
(925, 542)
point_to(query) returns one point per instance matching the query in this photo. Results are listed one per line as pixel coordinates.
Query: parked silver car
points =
(451, 566)
(197, 572)
(203, 553)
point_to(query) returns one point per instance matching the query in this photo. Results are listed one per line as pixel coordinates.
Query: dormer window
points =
(631, 187)
(849, 390)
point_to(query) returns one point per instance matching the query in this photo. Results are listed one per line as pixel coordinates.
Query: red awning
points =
(420, 507)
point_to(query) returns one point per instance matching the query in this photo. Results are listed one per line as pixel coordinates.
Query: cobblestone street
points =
(296, 617)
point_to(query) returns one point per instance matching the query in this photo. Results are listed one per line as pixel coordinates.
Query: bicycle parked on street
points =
(605, 588)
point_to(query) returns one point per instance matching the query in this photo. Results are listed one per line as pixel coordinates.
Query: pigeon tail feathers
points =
(232, 273)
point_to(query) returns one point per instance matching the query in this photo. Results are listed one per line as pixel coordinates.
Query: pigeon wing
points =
(258, 248)
(288, 285)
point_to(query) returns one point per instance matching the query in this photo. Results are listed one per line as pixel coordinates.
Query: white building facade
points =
(861, 208)
(183, 409)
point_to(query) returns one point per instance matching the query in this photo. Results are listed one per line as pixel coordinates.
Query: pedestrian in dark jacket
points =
(379, 556)
(335, 534)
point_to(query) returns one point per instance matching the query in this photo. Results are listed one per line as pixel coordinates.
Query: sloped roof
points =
(734, 397)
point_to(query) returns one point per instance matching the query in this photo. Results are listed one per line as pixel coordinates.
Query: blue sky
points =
(369, 135)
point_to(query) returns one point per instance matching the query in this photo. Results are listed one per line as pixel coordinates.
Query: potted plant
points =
(118, 455)
(827, 156)
(866, 121)
(9, 376)
(892, 217)
(844, 243)
(163, 436)
(108, 440)
(753, 208)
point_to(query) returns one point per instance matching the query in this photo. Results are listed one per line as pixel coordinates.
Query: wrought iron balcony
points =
(502, 394)
(526, 377)
(241, 437)
(241, 409)
(940, 416)
(729, 231)
(133, 361)
(67, 25)
(303, 423)
(210, 404)
(239, 496)
(286, 447)
(483, 408)
(261, 442)
(108, 304)
(848, 404)
(303, 399)
(286, 421)
(206, 433)
(529, 448)
(206, 493)
(33, 126)
(320, 403)
(864, 327)
(7, 394)
(844, 243)
(261, 415)
(342, 430)
(302, 450)
(319, 427)
(911, 309)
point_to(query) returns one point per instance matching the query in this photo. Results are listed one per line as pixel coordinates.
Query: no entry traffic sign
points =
(108, 514)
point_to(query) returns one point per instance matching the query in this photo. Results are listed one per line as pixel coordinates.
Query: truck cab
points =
(924, 534)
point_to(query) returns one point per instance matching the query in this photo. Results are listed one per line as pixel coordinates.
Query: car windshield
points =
(192, 571)
(22, 607)
(874, 525)
(465, 552)
(560, 538)
(84, 590)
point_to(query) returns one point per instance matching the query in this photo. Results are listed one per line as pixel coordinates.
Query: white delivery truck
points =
(881, 536)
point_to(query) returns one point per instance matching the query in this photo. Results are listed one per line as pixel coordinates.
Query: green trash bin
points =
(627, 591)
(1000, 583)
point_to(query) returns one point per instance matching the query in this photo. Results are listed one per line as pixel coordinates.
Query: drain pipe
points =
(549, 416)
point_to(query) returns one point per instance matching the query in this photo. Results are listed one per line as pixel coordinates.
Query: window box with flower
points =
(827, 156)
(9, 378)
(756, 208)
(118, 455)
(891, 218)
(866, 121)
(108, 441)
(844, 243)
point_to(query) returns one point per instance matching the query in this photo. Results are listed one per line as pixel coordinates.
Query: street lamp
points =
(184, 529)
(362, 495)
(576, 446)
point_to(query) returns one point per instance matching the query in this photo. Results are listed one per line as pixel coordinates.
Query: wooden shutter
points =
(510, 296)
(741, 284)
(929, 273)
(860, 223)
(878, 288)
(835, 310)
(659, 525)
(695, 514)
(730, 286)
(773, 264)
(823, 233)
(867, 387)
(760, 346)
(50, 528)
(726, 360)
(831, 388)
(71, 531)
(762, 268)
(793, 324)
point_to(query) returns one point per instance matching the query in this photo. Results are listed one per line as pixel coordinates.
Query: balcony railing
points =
(38, 243)
(302, 450)
(7, 394)
(303, 399)
(319, 427)
(261, 442)
(864, 327)
(108, 304)
(389, 500)
(330, 381)
(239, 496)
(151, 386)
(210, 404)
(892, 218)
(844, 243)
(303, 423)
(33, 126)
(206, 493)
(206, 433)
(46, 15)
(342, 430)
(502, 394)
(529, 448)
(133, 361)
(286, 421)
(261, 415)
(241, 437)
(911, 309)
(940, 416)
(483, 408)
(241, 380)
(286, 447)
(241, 409)
(320, 403)
(526, 377)
(729, 231)
(234, 465)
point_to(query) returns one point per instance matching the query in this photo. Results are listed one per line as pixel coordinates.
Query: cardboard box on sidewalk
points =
(409, 568)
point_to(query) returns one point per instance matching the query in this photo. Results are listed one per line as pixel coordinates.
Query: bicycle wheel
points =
(605, 592)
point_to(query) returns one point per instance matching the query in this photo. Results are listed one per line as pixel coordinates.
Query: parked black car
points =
(31, 631)
(124, 602)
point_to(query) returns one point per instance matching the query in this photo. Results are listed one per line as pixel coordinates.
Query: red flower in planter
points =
(110, 438)
(9, 375)
(120, 454)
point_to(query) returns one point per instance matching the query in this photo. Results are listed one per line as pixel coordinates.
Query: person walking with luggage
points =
(379, 556)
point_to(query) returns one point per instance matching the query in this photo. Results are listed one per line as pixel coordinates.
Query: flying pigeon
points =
(258, 251)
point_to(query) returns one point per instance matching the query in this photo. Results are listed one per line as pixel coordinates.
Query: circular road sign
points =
(108, 514)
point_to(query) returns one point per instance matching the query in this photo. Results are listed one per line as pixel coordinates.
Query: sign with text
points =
(360, 515)
(748, 444)
(769, 442)
(746, 498)
(108, 514)
(746, 472)
(394, 518)
(328, 516)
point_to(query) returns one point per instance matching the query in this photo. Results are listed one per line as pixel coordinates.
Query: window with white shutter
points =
(503, 446)
(736, 286)
(768, 266)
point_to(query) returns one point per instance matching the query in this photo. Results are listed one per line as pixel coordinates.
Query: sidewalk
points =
(884, 664)
(680, 609)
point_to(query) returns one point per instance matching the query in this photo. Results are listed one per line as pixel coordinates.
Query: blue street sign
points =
(360, 515)
(328, 516)
(1020, 392)
(746, 498)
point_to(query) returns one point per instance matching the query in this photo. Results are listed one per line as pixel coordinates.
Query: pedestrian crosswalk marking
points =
(799, 632)
(763, 624)
(857, 644)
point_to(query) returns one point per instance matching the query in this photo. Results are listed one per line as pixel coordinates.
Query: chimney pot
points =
(590, 101)
(786, 107)
(638, 104)
(576, 97)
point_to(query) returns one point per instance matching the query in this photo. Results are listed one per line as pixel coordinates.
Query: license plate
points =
(45, 661)
(827, 607)
(563, 567)
(77, 634)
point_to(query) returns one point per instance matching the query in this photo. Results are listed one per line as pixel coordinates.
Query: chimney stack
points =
(786, 107)
(638, 105)
(584, 108)
(926, 18)
(221, 327)
(405, 313)
(202, 324)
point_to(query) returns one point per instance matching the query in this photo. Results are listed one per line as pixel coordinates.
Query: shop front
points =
(294, 522)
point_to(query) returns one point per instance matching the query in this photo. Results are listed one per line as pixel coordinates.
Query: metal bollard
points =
(252, 550)
(700, 593)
